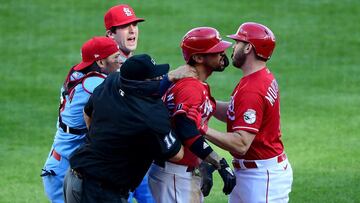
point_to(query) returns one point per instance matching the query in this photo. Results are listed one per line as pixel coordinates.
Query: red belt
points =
(252, 164)
(56, 155)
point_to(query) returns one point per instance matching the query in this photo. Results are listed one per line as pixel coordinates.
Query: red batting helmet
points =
(259, 36)
(202, 40)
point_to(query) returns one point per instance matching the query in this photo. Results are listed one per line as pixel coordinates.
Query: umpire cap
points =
(141, 67)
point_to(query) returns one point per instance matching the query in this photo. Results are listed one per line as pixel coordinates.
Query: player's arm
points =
(87, 112)
(89, 85)
(221, 109)
(237, 142)
(87, 119)
(169, 147)
(180, 72)
(175, 75)
(190, 136)
(178, 156)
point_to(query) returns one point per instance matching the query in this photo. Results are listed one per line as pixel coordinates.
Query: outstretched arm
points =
(221, 109)
(87, 119)
(238, 142)
(180, 72)
(87, 112)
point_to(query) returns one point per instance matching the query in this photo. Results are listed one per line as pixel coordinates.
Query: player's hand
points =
(206, 171)
(183, 71)
(228, 177)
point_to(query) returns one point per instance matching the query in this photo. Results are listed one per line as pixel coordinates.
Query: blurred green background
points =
(315, 62)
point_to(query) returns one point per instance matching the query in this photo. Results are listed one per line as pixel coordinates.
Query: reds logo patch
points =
(250, 116)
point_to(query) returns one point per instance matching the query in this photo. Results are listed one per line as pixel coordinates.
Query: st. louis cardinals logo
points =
(127, 12)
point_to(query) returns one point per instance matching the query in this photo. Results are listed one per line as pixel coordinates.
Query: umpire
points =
(129, 128)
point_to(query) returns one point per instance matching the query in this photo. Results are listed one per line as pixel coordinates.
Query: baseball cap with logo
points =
(96, 48)
(120, 15)
(141, 67)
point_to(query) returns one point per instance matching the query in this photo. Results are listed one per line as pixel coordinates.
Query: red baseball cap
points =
(120, 15)
(96, 48)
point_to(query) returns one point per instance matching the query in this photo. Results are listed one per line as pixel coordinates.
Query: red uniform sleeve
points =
(187, 99)
(248, 109)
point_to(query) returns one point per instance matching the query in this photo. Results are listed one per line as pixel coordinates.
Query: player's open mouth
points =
(131, 39)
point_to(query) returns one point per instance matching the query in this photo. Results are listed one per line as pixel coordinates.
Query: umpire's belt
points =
(174, 167)
(71, 130)
(244, 164)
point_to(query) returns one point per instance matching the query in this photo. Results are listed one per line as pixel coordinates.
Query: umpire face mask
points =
(147, 88)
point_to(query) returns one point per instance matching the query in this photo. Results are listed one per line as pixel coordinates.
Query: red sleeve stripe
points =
(245, 128)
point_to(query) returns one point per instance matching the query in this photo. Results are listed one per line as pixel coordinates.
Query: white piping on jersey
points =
(243, 127)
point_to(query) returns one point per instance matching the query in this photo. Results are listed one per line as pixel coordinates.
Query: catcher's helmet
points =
(202, 40)
(259, 36)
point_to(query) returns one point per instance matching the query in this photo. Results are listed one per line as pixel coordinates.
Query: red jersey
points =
(255, 107)
(191, 97)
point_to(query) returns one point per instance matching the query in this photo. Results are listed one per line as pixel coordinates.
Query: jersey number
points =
(169, 140)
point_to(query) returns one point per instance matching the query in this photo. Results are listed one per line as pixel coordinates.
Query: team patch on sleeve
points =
(250, 116)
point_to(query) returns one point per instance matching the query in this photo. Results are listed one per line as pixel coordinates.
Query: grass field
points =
(316, 63)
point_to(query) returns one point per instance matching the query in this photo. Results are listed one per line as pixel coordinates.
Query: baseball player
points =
(191, 105)
(121, 25)
(127, 114)
(100, 56)
(263, 172)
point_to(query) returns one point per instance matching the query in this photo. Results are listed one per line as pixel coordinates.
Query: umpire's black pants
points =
(78, 190)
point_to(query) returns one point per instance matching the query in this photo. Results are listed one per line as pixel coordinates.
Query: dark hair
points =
(191, 61)
(113, 29)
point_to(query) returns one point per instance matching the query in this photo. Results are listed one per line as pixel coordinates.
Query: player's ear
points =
(108, 33)
(248, 48)
(198, 58)
(101, 63)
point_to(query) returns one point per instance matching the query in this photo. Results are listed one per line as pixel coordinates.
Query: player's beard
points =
(223, 63)
(239, 58)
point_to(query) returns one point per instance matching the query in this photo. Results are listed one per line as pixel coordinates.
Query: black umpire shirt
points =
(128, 130)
